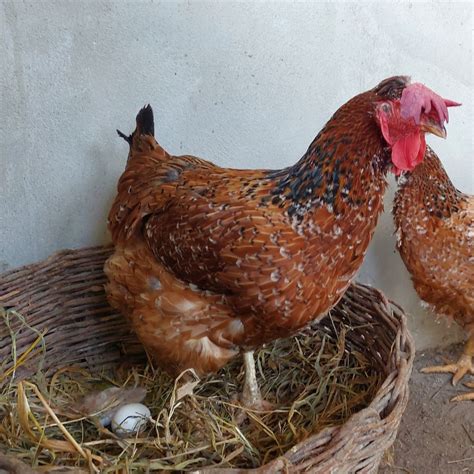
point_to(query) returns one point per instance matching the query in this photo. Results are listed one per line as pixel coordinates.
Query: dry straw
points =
(339, 389)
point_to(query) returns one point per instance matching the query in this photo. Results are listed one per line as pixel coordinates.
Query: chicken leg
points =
(251, 396)
(462, 367)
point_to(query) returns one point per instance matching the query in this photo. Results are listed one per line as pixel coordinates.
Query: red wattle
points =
(408, 152)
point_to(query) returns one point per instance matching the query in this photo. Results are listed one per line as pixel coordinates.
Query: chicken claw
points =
(462, 367)
(465, 396)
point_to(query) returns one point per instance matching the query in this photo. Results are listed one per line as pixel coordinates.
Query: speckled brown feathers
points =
(210, 261)
(435, 229)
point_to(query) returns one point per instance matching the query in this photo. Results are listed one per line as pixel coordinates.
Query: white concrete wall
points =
(241, 84)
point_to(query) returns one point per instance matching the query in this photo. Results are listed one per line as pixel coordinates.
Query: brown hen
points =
(435, 228)
(210, 261)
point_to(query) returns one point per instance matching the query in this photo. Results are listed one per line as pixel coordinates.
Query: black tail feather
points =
(145, 122)
(127, 138)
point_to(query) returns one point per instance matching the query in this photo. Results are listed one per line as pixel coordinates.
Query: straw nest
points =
(339, 388)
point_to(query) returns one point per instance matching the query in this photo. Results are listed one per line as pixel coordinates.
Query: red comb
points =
(417, 98)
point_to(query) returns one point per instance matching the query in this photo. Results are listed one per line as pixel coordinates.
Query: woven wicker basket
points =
(64, 296)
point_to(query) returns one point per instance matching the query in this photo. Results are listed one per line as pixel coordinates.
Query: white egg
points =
(130, 419)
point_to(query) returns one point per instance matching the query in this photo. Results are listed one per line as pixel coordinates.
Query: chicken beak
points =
(430, 125)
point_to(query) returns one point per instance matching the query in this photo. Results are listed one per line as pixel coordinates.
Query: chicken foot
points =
(462, 367)
(251, 396)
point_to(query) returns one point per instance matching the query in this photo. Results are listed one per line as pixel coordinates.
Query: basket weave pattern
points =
(63, 298)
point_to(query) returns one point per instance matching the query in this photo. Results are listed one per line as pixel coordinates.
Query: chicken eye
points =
(386, 107)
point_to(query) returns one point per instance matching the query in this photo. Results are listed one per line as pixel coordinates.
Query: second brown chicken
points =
(435, 228)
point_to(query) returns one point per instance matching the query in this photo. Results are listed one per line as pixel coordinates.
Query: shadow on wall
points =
(99, 155)
(94, 195)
